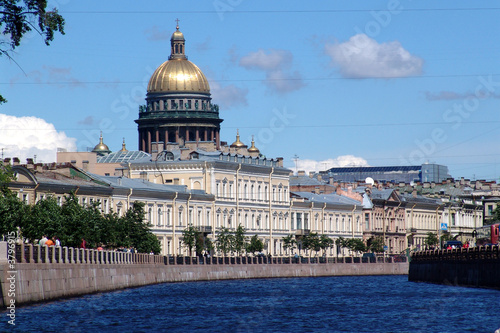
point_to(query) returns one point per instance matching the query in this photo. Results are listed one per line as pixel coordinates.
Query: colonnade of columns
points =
(149, 135)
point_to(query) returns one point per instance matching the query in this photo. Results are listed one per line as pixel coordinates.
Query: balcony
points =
(205, 229)
(302, 232)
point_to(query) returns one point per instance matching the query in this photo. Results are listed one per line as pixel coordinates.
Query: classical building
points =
(179, 107)
(384, 216)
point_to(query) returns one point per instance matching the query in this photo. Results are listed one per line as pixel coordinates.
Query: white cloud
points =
(228, 96)
(272, 60)
(363, 57)
(341, 161)
(276, 64)
(25, 137)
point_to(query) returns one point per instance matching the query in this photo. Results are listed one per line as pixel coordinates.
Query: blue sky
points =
(334, 83)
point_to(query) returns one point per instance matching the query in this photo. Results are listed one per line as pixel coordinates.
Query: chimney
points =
(414, 193)
(29, 163)
(301, 173)
(15, 161)
(311, 174)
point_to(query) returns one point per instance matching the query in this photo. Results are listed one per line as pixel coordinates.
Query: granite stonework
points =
(37, 282)
(472, 267)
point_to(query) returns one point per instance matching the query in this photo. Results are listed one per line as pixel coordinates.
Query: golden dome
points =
(177, 35)
(178, 75)
(253, 149)
(101, 148)
(238, 143)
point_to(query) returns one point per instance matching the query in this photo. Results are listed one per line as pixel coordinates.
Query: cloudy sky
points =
(320, 84)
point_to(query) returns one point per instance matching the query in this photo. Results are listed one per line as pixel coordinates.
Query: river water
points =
(322, 304)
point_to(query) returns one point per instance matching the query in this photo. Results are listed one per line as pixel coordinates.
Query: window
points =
(160, 215)
(299, 221)
(367, 221)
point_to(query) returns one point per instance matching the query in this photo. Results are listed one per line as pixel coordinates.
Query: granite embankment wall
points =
(49, 273)
(474, 267)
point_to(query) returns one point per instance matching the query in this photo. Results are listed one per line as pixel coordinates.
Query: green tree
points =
(43, 218)
(239, 240)
(81, 222)
(13, 212)
(209, 245)
(190, 236)
(341, 242)
(289, 242)
(325, 243)
(311, 242)
(356, 245)
(375, 244)
(255, 245)
(431, 239)
(19, 17)
(139, 232)
(6, 176)
(495, 215)
(224, 241)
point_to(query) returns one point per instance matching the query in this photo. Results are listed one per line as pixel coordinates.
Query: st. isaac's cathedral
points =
(187, 176)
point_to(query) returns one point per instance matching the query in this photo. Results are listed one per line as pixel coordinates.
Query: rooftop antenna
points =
(3, 151)
(34, 159)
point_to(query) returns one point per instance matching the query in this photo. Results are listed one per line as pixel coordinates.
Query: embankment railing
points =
(460, 254)
(29, 253)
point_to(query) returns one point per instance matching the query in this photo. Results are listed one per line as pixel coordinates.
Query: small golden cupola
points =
(238, 143)
(124, 149)
(253, 149)
(101, 148)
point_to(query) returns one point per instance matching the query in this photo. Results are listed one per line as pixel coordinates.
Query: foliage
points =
(239, 239)
(431, 239)
(6, 174)
(311, 242)
(495, 215)
(17, 17)
(190, 237)
(71, 222)
(325, 242)
(255, 245)
(139, 233)
(12, 212)
(375, 244)
(356, 245)
(224, 241)
(209, 245)
(289, 242)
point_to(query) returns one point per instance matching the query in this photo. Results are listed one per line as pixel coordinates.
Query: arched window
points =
(150, 215)
(160, 215)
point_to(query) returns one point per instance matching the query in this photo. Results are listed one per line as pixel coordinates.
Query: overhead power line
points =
(281, 11)
(258, 80)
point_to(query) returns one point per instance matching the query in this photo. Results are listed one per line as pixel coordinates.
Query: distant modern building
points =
(393, 174)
